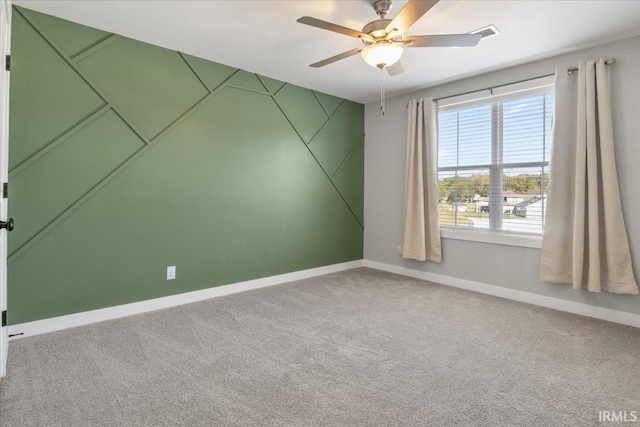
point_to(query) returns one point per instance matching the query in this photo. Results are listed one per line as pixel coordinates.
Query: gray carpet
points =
(360, 347)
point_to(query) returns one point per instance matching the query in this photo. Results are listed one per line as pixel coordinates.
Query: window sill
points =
(494, 238)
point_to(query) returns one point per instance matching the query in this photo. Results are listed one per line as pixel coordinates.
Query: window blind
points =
(493, 157)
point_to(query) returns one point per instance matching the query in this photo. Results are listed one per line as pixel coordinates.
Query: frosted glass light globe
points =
(381, 54)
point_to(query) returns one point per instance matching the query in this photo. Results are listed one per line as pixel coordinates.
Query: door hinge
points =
(5, 190)
(4, 318)
(7, 63)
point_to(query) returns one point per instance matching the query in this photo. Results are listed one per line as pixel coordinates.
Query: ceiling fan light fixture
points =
(381, 55)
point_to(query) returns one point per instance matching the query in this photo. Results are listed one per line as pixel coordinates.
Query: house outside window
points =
(493, 159)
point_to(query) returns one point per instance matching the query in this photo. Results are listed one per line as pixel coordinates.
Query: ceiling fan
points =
(384, 38)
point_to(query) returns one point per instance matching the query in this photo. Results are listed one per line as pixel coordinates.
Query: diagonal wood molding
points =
(110, 105)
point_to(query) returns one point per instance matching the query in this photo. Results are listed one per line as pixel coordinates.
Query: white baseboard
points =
(610, 315)
(87, 317)
(84, 318)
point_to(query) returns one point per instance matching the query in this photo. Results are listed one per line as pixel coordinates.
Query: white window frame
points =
(495, 234)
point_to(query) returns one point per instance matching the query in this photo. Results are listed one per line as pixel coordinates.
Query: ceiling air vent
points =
(486, 32)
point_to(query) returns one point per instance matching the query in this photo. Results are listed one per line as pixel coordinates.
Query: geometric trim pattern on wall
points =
(318, 119)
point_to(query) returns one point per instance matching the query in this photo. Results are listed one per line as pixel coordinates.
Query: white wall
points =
(507, 266)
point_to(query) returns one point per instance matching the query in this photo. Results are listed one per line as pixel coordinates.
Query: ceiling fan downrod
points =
(382, 7)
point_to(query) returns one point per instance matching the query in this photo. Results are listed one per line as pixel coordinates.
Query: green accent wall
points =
(126, 158)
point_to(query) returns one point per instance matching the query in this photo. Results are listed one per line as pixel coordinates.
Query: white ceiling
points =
(263, 36)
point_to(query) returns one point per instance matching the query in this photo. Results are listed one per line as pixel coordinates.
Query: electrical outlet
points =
(171, 272)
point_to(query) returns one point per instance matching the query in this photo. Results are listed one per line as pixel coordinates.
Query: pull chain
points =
(382, 106)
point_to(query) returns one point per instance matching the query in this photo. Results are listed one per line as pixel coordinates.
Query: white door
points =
(5, 47)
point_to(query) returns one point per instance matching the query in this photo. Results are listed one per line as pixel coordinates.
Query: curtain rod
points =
(569, 71)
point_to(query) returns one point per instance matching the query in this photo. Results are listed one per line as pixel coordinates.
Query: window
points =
(493, 158)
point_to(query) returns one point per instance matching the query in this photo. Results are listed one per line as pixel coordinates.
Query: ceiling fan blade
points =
(335, 28)
(409, 14)
(444, 40)
(395, 69)
(336, 58)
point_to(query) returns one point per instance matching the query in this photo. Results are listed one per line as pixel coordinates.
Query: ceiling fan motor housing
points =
(376, 28)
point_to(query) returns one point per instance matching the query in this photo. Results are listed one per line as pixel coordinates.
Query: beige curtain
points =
(585, 241)
(421, 233)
